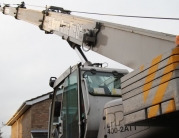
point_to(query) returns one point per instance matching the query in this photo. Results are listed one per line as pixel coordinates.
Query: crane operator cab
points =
(79, 97)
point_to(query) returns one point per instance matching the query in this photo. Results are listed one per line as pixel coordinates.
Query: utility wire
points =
(118, 15)
(148, 17)
(35, 5)
(32, 5)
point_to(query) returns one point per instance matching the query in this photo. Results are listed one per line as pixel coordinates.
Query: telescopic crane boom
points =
(129, 46)
(92, 106)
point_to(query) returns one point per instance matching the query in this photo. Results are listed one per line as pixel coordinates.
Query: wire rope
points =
(117, 15)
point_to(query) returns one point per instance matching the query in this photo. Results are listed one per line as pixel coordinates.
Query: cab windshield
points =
(103, 83)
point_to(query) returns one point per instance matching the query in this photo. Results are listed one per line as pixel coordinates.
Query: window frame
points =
(52, 107)
(105, 95)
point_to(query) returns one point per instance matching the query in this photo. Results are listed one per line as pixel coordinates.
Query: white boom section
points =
(127, 45)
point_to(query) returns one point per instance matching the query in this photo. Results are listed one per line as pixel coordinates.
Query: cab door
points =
(69, 110)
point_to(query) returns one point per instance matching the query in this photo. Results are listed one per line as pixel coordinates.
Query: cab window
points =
(103, 83)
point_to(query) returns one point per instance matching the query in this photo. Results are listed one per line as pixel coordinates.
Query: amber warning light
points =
(177, 40)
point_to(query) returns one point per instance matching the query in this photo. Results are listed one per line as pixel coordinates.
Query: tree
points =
(0, 133)
(0, 129)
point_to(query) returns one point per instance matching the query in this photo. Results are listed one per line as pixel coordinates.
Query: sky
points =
(28, 57)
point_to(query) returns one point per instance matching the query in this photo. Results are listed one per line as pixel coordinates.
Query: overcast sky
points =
(28, 57)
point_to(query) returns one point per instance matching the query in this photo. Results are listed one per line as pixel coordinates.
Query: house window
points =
(39, 133)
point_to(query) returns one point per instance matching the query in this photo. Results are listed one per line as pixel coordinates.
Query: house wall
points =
(22, 127)
(35, 118)
(14, 130)
(40, 115)
(26, 125)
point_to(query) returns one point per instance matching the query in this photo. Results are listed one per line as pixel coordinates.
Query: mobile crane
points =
(87, 100)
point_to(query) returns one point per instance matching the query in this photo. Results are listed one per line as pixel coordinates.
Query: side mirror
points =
(57, 109)
(52, 81)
